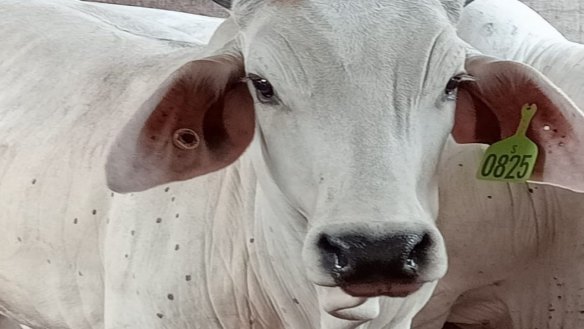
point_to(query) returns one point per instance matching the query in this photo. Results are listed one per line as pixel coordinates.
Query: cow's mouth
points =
(381, 289)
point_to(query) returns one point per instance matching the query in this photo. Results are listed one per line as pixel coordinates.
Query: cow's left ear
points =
(489, 109)
(200, 120)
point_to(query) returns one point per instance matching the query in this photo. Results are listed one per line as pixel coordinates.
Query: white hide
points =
(71, 74)
(228, 249)
(515, 250)
(162, 23)
(77, 256)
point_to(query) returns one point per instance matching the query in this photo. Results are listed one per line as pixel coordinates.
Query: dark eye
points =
(453, 83)
(264, 88)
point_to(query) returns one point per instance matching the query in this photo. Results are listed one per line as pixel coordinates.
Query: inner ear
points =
(203, 122)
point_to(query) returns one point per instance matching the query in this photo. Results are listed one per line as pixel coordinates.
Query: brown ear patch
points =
(221, 116)
(204, 121)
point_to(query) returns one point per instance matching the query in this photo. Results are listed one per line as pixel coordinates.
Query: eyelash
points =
(454, 83)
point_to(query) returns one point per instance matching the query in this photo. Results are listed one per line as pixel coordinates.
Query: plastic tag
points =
(512, 159)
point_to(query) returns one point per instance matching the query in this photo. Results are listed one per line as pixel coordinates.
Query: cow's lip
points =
(382, 289)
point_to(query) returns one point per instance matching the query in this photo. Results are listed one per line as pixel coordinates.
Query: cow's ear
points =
(489, 109)
(199, 121)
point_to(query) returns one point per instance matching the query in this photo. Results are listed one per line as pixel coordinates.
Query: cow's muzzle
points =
(376, 260)
(368, 266)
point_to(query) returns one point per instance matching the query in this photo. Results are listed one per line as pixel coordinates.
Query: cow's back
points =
(61, 104)
(513, 31)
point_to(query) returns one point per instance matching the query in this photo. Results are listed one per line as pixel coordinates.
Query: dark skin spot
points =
(126, 256)
(80, 274)
(530, 190)
(75, 221)
(177, 215)
(167, 189)
(49, 261)
(132, 232)
(251, 240)
(170, 297)
(188, 277)
(489, 196)
(158, 220)
(19, 239)
(160, 315)
(94, 212)
(172, 199)
(177, 247)
(460, 164)
(34, 181)
(295, 301)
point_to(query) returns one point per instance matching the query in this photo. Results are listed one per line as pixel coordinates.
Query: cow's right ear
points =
(201, 120)
(489, 110)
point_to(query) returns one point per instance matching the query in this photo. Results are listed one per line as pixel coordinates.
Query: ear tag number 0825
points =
(512, 159)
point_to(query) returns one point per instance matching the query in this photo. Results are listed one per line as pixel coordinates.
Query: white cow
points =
(324, 218)
(516, 250)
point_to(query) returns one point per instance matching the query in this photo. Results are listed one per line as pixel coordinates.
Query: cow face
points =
(351, 103)
(353, 110)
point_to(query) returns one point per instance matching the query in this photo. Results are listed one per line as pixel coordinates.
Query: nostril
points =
(334, 250)
(418, 252)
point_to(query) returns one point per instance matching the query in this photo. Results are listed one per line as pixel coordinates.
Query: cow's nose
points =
(360, 259)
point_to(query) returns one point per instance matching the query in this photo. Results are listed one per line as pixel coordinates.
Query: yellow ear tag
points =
(512, 159)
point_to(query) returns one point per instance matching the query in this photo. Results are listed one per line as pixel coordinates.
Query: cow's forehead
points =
(392, 15)
(325, 41)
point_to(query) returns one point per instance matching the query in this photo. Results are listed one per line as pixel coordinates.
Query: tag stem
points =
(527, 113)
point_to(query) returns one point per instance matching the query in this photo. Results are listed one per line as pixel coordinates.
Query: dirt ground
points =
(566, 15)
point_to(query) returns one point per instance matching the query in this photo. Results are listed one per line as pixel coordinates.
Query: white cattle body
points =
(324, 218)
(515, 249)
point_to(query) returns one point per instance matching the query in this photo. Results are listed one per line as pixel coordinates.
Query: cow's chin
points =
(381, 289)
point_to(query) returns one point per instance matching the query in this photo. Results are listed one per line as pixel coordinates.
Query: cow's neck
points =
(525, 246)
(553, 278)
(543, 288)
(271, 232)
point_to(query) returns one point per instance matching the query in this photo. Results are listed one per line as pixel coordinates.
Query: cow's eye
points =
(264, 89)
(453, 83)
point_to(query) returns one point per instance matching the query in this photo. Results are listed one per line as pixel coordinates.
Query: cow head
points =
(351, 103)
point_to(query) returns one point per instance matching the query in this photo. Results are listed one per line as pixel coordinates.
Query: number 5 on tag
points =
(512, 159)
